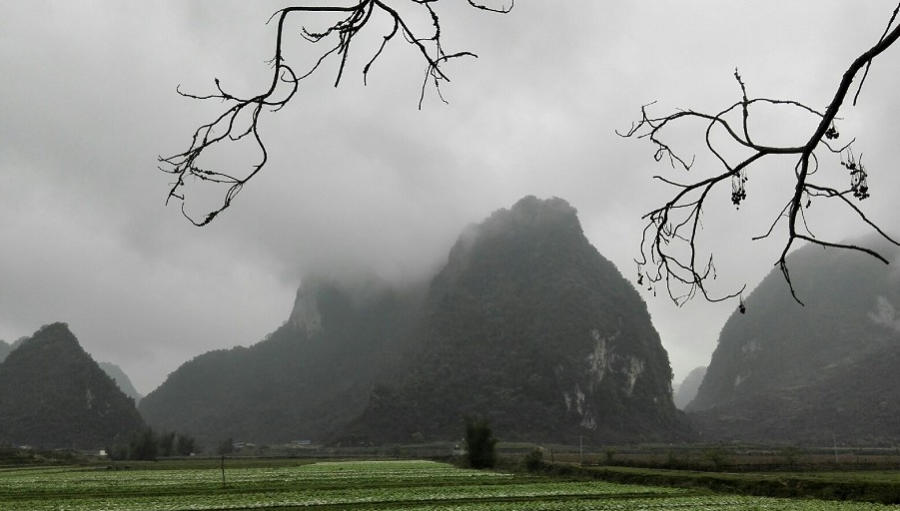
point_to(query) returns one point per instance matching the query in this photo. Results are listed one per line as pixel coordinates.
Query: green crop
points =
(417, 485)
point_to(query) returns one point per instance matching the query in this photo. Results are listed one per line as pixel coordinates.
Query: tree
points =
(185, 445)
(225, 446)
(143, 446)
(167, 444)
(670, 255)
(669, 251)
(240, 120)
(717, 455)
(480, 444)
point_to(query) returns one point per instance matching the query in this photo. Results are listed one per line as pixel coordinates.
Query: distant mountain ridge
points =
(813, 373)
(122, 380)
(687, 390)
(53, 394)
(308, 377)
(5, 348)
(526, 324)
(115, 372)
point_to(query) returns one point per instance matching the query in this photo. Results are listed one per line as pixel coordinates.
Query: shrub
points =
(716, 455)
(534, 461)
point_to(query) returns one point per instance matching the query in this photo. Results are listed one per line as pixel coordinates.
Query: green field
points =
(408, 485)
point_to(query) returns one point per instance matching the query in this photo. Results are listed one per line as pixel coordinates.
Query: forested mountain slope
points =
(529, 326)
(308, 378)
(53, 394)
(814, 372)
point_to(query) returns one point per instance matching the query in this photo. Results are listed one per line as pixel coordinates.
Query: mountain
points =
(814, 373)
(53, 394)
(529, 326)
(122, 380)
(687, 390)
(307, 378)
(5, 348)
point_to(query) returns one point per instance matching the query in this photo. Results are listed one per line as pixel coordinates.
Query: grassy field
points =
(865, 486)
(353, 485)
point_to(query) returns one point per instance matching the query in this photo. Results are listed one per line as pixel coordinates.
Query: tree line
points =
(147, 445)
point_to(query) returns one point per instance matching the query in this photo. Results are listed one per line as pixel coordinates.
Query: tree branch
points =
(669, 247)
(241, 118)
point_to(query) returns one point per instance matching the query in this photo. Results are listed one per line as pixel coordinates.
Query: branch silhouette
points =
(669, 244)
(241, 119)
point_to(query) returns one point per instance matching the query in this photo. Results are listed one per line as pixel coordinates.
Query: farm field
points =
(355, 485)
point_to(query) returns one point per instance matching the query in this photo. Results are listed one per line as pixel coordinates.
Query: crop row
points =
(361, 503)
(298, 496)
(422, 486)
(330, 475)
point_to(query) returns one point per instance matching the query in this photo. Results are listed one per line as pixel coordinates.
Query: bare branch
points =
(241, 118)
(669, 247)
(501, 10)
(887, 31)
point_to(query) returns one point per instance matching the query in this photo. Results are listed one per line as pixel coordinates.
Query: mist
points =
(360, 181)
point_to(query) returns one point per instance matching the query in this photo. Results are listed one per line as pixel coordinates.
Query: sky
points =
(360, 180)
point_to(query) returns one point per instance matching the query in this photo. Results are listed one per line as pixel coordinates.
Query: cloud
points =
(359, 179)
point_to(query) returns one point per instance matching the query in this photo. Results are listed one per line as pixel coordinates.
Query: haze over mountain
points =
(687, 389)
(813, 373)
(53, 394)
(5, 348)
(122, 380)
(308, 377)
(527, 324)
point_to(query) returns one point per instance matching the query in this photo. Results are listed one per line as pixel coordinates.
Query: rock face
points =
(53, 394)
(688, 388)
(529, 326)
(815, 373)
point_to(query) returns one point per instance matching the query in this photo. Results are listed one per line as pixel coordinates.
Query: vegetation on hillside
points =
(822, 373)
(526, 325)
(297, 384)
(529, 326)
(53, 394)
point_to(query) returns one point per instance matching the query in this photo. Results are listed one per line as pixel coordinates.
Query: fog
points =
(361, 181)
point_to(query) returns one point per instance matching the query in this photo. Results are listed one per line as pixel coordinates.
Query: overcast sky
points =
(360, 180)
